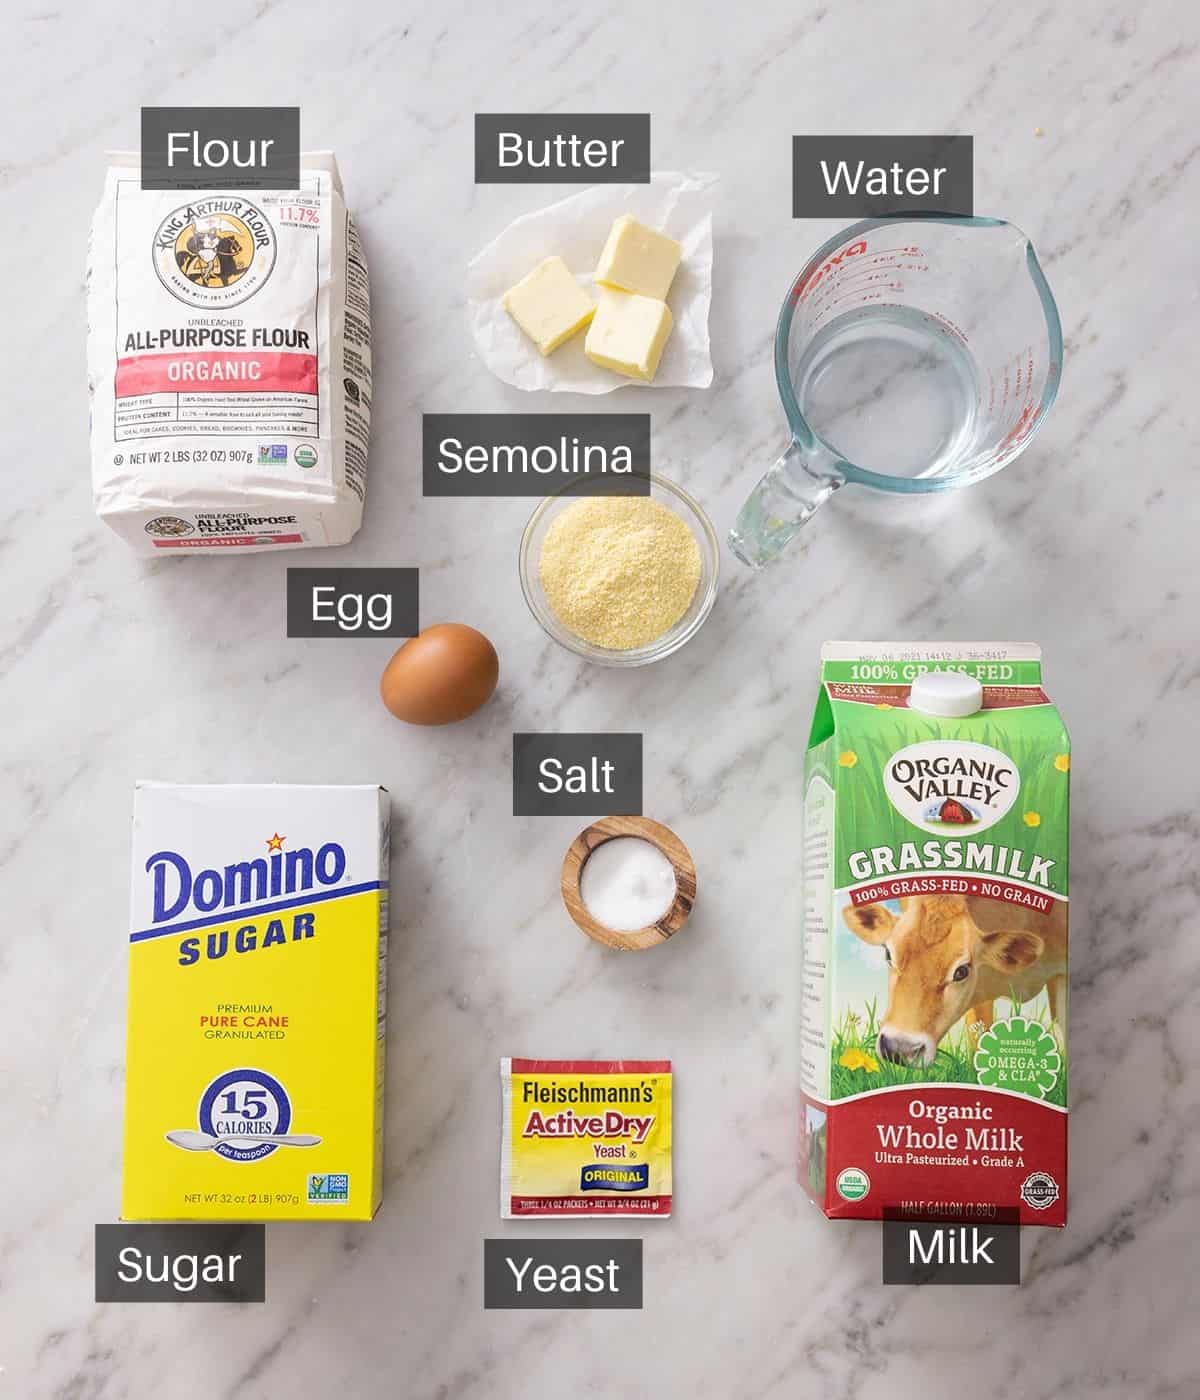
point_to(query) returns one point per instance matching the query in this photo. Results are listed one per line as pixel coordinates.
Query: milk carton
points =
(257, 978)
(934, 975)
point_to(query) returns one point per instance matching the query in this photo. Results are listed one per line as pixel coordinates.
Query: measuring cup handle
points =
(782, 502)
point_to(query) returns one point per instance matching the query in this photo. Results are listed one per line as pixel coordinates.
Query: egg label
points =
(352, 602)
(577, 775)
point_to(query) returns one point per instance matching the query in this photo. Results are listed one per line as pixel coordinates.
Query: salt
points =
(627, 884)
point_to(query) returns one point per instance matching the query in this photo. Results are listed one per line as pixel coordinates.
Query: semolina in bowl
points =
(622, 580)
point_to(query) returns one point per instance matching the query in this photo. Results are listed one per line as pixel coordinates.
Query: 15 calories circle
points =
(245, 1103)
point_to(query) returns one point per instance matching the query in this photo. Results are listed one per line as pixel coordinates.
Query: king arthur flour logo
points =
(214, 252)
(948, 785)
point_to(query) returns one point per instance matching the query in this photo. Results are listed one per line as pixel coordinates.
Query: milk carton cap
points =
(948, 694)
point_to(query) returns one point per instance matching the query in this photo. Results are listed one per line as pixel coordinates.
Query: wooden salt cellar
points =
(658, 835)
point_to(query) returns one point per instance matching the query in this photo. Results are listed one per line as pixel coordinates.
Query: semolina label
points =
(585, 1137)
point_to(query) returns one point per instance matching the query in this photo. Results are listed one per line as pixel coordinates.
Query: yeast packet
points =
(585, 1138)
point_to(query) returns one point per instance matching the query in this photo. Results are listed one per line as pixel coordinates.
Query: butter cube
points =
(628, 333)
(549, 305)
(638, 259)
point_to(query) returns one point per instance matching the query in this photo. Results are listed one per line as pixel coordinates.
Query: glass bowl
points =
(676, 499)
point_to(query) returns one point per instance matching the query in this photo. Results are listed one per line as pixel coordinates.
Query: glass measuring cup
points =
(915, 353)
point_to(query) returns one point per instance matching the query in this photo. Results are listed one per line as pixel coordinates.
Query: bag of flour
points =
(229, 364)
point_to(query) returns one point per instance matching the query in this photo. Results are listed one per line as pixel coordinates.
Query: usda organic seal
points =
(852, 1184)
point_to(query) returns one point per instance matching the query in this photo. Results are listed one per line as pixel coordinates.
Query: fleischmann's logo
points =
(945, 786)
(215, 252)
(178, 889)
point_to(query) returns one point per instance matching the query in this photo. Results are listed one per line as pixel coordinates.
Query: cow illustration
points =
(950, 956)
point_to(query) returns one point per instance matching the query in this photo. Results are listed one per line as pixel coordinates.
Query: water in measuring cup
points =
(890, 390)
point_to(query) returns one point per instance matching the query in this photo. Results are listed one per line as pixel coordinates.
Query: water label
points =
(869, 177)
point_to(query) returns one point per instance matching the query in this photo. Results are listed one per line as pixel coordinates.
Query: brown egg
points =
(442, 675)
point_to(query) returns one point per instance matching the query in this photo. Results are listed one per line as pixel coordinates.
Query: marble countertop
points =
(1084, 122)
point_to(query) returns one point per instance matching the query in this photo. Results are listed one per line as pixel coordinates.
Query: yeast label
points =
(868, 177)
(535, 454)
(220, 148)
(577, 775)
(562, 148)
(562, 1273)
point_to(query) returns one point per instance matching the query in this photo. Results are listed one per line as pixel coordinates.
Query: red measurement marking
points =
(830, 265)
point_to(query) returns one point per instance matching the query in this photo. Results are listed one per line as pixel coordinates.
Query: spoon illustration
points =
(192, 1141)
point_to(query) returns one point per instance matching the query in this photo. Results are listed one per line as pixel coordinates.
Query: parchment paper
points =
(576, 228)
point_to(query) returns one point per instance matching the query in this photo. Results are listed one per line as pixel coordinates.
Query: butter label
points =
(255, 1052)
(553, 148)
(585, 1137)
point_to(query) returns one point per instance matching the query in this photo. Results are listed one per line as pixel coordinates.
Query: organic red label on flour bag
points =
(934, 983)
(229, 364)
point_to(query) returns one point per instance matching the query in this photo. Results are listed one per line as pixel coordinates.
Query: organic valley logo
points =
(945, 786)
(216, 252)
